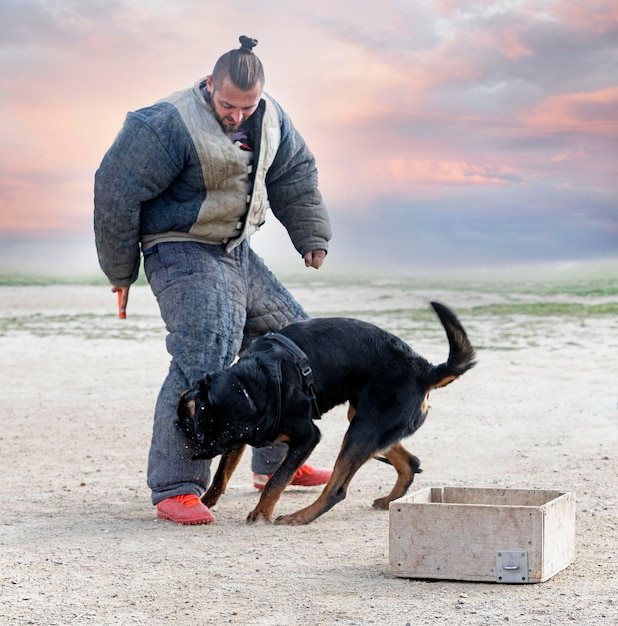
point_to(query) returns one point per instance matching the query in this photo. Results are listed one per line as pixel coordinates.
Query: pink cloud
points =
(507, 39)
(442, 172)
(570, 155)
(597, 16)
(590, 112)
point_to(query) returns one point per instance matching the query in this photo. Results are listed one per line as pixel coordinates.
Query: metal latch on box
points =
(512, 566)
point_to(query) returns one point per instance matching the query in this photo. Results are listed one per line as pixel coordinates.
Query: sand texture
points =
(80, 542)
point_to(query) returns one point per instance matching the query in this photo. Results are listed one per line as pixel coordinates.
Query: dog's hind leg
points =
(406, 465)
(227, 464)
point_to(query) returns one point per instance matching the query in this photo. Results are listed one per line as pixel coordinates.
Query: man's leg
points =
(171, 468)
(203, 306)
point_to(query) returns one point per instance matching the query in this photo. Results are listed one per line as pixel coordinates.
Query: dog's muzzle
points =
(194, 414)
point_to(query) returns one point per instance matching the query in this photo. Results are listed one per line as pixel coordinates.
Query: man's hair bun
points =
(247, 43)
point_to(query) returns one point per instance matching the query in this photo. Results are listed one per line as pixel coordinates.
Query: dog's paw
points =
(291, 520)
(210, 499)
(381, 503)
(259, 517)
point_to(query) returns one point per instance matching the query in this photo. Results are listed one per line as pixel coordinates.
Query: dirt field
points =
(80, 542)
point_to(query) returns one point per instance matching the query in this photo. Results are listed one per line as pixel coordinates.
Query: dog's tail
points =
(462, 354)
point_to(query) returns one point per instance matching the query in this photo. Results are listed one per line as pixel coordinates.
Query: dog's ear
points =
(186, 408)
(203, 388)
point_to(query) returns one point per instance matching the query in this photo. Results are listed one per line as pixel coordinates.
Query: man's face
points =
(231, 105)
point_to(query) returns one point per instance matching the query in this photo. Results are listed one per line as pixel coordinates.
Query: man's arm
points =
(135, 169)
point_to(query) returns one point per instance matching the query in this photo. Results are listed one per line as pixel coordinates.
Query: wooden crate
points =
(476, 534)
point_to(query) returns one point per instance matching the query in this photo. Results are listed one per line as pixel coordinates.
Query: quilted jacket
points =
(174, 174)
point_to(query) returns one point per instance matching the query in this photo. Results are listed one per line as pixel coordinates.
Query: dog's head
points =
(217, 414)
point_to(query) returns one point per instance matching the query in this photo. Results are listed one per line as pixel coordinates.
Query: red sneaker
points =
(185, 509)
(306, 476)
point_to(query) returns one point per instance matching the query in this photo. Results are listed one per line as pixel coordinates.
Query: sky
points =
(446, 133)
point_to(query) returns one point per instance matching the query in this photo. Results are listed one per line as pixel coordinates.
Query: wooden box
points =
(488, 535)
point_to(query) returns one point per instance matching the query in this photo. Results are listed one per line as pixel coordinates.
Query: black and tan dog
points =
(286, 380)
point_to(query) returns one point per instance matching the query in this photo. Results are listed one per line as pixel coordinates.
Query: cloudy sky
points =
(446, 132)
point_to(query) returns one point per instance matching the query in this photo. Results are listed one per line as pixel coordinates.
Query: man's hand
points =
(315, 258)
(123, 299)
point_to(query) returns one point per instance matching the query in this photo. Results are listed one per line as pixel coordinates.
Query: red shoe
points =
(185, 509)
(306, 476)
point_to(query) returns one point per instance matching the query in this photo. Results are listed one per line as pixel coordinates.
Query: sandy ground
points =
(80, 542)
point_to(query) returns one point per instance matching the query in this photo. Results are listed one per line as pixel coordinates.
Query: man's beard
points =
(228, 127)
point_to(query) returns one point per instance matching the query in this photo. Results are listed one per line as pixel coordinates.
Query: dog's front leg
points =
(296, 456)
(227, 464)
(358, 446)
(335, 491)
(263, 512)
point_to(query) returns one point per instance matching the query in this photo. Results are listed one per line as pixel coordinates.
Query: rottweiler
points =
(285, 381)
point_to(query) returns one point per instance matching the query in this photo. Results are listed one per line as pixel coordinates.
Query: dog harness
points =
(262, 349)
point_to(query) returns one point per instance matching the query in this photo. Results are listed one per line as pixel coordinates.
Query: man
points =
(188, 180)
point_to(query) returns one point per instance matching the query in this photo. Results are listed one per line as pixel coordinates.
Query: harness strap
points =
(273, 365)
(306, 372)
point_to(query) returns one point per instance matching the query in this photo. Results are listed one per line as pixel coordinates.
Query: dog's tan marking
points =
(263, 512)
(425, 404)
(351, 413)
(190, 406)
(447, 380)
